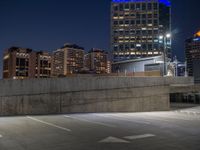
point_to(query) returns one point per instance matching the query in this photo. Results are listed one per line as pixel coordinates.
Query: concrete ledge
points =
(97, 94)
(35, 86)
(184, 88)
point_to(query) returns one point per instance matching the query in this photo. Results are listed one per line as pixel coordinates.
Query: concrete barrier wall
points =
(85, 94)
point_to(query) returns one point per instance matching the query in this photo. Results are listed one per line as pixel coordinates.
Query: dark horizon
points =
(47, 25)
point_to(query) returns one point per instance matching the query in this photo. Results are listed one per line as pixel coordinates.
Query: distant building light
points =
(155, 40)
(197, 34)
(196, 39)
(138, 45)
(6, 57)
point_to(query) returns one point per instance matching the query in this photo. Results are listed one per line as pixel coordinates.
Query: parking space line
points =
(93, 122)
(112, 139)
(135, 137)
(49, 124)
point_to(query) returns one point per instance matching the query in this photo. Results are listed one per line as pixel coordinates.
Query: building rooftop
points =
(68, 45)
(195, 38)
(43, 53)
(166, 2)
(97, 50)
(197, 34)
(18, 49)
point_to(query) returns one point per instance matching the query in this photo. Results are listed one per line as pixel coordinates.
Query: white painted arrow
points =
(113, 140)
(134, 137)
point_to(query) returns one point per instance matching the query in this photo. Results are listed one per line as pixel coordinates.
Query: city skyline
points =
(99, 74)
(68, 60)
(41, 25)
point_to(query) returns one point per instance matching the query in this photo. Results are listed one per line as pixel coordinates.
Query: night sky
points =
(48, 24)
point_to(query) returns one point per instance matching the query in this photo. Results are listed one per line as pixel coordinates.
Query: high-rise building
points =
(22, 63)
(69, 59)
(19, 63)
(43, 65)
(136, 26)
(96, 60)
(192, 52)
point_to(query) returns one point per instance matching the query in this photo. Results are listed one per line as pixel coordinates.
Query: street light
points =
(168, 35)
(161, 37)
(164, 39)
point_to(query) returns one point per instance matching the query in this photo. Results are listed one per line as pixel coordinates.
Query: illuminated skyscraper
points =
(22, 63)
(43, 64)
(192, 52)
(96, 60)
(19, 63)
(67, 60)
(136, 26)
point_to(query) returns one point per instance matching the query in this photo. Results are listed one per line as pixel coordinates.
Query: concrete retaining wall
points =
(85, 94)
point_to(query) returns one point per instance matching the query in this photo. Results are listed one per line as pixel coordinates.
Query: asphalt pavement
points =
(171, 130)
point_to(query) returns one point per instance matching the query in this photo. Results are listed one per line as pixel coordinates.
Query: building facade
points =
(192, 52)
(22, 63)
(136, 26)
(19, 63)
(43, 65)
(67, 60)
(109, 66)
(180, 69)
(96, 61)
(139, 65)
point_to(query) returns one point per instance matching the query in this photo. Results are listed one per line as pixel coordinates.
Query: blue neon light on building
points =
(196, 39)
(166, 2)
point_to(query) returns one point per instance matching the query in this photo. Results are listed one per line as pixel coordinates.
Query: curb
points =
(187, 112)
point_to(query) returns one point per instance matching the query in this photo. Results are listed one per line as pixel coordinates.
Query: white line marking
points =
(94, 122)
(50, 124)
(134, 137)
(113, 140)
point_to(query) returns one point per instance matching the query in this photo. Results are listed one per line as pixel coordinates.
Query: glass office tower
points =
(192, 53)
(136, 26)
